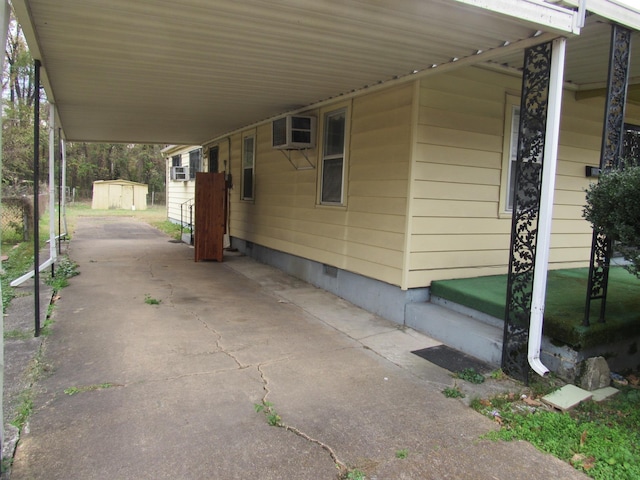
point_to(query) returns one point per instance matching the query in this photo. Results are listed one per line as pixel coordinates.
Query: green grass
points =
(601, 439)
(20, 261)
(170, 228)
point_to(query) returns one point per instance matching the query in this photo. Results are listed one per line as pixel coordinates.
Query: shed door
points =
(210, 216)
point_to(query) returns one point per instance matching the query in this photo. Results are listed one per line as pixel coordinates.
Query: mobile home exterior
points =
(405, 185)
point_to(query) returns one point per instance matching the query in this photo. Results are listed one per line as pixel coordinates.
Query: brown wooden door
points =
(210, 216)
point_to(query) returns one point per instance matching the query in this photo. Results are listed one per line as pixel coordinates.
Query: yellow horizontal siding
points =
(451, 242)
(461, 122)
(455, 191)
(454, 102)
(386, 206)
(459, 259)
(361, 236)
(454, 208)
(366, 235)
(456, 174)
(378, 188)
(457, 228)
(439, 226)
(454, 155)
(454, 137)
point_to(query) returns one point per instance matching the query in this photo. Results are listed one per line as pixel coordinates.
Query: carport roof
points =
(184, 72)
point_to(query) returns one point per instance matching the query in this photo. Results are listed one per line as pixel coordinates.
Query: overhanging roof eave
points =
(548, 16)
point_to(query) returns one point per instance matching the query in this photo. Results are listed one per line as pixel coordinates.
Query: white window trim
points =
(512, 104)
(246, 135)
(346, 107)
(193, 169)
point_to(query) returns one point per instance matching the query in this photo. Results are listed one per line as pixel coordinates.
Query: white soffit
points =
(624, 12)
(547, 15)
(587, 56)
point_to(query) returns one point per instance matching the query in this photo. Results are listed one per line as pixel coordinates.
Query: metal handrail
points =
(189, 204)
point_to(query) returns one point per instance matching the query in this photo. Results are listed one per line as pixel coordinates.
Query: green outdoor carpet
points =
(564, 307)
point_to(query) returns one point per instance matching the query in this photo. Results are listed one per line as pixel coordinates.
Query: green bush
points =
(613, 207)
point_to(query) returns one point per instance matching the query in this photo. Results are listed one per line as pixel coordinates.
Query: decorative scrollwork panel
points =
(610, 158)
(526, 208)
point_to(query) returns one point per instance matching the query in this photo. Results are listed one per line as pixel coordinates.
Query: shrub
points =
(613, 207)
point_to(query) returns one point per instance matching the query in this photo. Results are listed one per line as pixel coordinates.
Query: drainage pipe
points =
(546, 206)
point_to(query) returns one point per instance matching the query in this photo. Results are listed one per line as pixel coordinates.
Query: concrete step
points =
(457, 330)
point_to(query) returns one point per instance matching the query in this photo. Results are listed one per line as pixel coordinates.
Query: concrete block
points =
(567, 397)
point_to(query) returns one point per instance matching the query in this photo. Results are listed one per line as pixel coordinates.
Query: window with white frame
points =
(195, 161)
(513, 157)
(333, 160)
(248, 166)
(176, 161)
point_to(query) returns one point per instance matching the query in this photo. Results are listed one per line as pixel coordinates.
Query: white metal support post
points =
(4, 25)
(63, 187)
(546, 205)
(53, 253)
(52, 216)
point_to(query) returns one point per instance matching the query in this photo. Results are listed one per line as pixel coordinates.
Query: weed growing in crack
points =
(354, 474)
(470, 375)
(453, 392)
(149, 300)
(88, 388)
(34, 373)
(273, 418)
(402, 453)
(65, 269)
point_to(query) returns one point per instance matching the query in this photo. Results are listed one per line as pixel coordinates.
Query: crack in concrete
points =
(342, 467)
(219, 346)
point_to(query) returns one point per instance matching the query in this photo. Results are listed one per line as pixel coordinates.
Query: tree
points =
(17, 128)
(613, 207)
(86, 162)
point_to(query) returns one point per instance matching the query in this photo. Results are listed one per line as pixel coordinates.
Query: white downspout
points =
(53, 253)
(546, 206)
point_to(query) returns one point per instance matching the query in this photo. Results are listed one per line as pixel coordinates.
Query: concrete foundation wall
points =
(375, 296)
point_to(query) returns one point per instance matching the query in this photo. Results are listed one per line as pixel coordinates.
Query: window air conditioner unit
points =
(294, 132)
(180, 173)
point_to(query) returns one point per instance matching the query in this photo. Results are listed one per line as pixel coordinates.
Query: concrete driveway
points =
(168, 391)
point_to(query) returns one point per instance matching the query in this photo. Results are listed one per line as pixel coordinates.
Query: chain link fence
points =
(16, 220)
